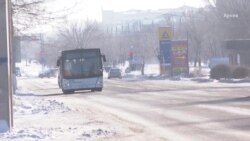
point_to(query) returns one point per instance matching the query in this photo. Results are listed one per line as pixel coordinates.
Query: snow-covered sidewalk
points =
(45, 118)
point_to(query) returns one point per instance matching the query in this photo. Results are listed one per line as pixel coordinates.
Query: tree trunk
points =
(199, 62)
(195, 62)
(143, 66)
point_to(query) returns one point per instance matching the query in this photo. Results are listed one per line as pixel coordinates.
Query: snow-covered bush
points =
(221, 71)
(240, 72)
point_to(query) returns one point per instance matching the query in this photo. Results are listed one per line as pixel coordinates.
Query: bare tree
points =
(27, 14)
(148, 44)
(80, 35)
(196, 36)
(204, 34)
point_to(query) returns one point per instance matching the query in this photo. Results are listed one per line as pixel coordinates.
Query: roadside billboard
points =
(180, 58)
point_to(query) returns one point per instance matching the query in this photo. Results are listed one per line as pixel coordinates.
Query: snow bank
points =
(46, 118)
(33, 105)
(29, 69)
(247, 80)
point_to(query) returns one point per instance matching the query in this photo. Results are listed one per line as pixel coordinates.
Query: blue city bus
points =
(80, 69)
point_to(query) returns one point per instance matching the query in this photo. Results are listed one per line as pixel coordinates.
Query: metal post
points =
(5, 68)
(10, 35)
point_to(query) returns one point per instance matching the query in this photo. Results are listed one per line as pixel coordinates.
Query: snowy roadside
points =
(67, 117)
(43, 118)
(136, 76)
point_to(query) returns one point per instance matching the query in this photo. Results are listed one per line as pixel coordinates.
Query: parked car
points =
(114, 73)
(107, 68)
(48, 73)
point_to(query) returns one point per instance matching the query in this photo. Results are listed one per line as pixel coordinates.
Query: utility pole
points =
(5, 67)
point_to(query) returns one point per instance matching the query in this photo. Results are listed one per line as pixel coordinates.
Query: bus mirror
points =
(104, 58)
(58, 61)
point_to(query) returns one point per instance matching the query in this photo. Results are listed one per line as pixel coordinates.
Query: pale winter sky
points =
(91, 9)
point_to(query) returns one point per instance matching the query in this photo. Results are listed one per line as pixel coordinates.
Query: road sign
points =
(165, 33)
(165, 57)
(165, 37)
(165, 52)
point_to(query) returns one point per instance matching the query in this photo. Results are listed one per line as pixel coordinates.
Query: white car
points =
(114, 73)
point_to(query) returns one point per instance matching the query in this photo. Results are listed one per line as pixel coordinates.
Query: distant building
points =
(133, 20)
(239, 52)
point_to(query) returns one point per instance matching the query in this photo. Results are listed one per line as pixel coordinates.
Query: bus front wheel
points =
(99, 90)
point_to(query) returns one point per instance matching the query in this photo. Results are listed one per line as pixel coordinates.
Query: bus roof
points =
(81, 50)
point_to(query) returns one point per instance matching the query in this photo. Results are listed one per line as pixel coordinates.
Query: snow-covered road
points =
(139, 110)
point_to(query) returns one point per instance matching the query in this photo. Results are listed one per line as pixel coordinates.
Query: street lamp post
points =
(5, 67)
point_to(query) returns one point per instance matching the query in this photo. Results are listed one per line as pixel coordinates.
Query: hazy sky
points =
(91, 9)
(121, 5)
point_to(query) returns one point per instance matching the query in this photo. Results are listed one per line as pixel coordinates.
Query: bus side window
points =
(68, 67)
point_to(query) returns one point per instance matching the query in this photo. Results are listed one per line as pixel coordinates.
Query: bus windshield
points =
(82, 64)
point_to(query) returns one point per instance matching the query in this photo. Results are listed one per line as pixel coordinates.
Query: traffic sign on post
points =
(165, 33)
(5, 68)
(165, 37)
(165, 52)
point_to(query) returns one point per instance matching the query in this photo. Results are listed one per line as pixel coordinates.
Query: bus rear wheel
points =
(68, 91)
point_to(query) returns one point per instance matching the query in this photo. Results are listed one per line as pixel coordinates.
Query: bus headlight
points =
(66, 83)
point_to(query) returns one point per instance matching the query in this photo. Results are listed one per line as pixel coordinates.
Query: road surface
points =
(164, 109)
